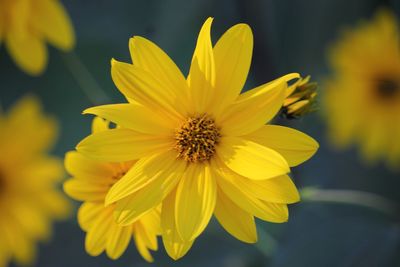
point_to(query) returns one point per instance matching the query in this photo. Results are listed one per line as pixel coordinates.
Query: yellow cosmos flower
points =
(300, 98)
(202, 147)
(363, 97)
(90, 183)
(29, 200)
(26, 26)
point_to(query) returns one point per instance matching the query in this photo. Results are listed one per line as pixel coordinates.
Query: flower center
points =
(115, 178)
(387, 88)
(197, 138)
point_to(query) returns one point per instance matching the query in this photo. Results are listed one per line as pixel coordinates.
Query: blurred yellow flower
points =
(300, 98)
(362, 98)
(29, 199)
(90, 183)
(26, 26)
(202, 147)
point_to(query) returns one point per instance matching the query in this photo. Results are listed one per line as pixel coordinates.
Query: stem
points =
(352, 197)
(88, 84)
(266, 243)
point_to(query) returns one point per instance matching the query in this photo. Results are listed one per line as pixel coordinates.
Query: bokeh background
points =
(290, 36)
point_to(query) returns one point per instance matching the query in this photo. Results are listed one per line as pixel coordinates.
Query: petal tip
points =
(109, 199)
(113, 61)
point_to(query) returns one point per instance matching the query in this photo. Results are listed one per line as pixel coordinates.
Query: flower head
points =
(363, 96)
(202, 148)
(26, 26)
(29, 199)
(300, 98)
(90, 183)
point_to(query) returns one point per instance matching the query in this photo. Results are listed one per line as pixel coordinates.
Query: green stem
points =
(88, 84)
(352, 197)
(266, 243)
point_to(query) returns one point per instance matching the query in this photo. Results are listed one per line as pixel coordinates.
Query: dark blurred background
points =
(290, 36)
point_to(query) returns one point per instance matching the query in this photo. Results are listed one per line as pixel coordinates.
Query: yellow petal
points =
(235, 220)
(28, 51)
(173, 243)
(151, 221)
(26, 116)
(141, 246)
(5, 246)
(148, 56)
(48, 169)
(232, 54)
(201, 77)
(20, 246)
(88, 212)
(55, 204)
(97, 235)
(120, 145)
(155, 169)
(279, 189)
(295, 146)
(250, 159)
(1, 39)
(135, 117)
(129, 209)
(267, 211)
(51, 20)
(195, 201)
(80, 166)
(254, 108)
(99, 125)
(84, 190)
(148, 237)
(118, 240)
(37, 227)
(145, 88)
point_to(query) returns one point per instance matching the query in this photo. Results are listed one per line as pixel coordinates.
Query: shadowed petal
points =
(118, 240)
(96, 238)
(88, 213)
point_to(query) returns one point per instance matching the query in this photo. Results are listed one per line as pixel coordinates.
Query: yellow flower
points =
(363, 97)
(300, 98)
(29, 200)
(202, 147)
(26, 26)
(90, 183)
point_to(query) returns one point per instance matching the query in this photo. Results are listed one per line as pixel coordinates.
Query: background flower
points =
(90, 183)
(29, 199)
(26, 26)
(363, 97)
